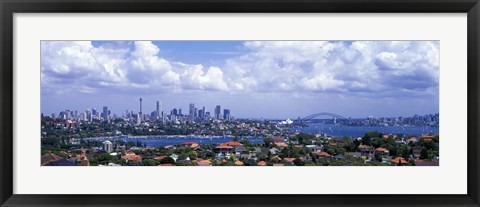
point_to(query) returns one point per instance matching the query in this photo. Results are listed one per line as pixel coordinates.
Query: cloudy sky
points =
(254, 79)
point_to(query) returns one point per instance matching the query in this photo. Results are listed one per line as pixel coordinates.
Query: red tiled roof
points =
(281, 144)
(192, 144)
(132, 157)
(399, 160)
(323, 154)
(238, 162)
(289, 159)
(276, 158)
(205, 162)
(160, 157)
(262, 163)
(223, 147)
(425, 136)
(381, 149)
(232, 143)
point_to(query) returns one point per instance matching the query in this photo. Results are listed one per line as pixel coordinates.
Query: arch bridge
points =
(312, 116)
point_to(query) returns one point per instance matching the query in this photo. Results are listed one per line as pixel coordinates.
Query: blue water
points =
(358, 131)
(160, 142)
(313, 128)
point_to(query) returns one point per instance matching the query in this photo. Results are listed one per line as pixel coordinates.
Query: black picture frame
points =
(10, 7)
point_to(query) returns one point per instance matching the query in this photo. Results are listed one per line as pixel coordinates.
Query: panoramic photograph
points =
(240, 103)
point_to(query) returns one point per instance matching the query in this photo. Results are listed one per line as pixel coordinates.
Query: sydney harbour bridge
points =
(322, 114)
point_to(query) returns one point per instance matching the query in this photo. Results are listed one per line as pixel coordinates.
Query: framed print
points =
(200, 103)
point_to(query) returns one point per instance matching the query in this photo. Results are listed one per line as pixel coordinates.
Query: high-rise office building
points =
(191, 111)
(83, 116)
(202, 115)
(88, 115)
(67, 114)
(159, 110)
(94, 111)
(226, 114)
(105, 112)
(217, 112)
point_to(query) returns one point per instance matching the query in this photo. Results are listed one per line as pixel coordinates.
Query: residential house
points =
(190, 144)
(365, 149)
(238, 163)
(382, 151)
(262, 163)
(399, 161)
(132, 157)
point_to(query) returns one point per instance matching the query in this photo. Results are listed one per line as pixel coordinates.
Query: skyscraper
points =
(217, 112)
(201, 113)
(88, 115)
(226, 114)
(191, 111)
(94, 111)
(105, 112)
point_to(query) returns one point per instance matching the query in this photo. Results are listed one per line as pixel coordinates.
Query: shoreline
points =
(170, 137)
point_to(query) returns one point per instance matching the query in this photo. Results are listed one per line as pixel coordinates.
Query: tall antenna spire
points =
(140, 105)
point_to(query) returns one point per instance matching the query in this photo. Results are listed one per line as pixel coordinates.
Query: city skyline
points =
(254, 79)
(192, 108)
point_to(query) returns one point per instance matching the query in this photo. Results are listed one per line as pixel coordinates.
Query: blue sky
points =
(269, 79)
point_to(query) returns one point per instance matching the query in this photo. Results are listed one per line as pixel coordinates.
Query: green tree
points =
(298, 162)
(268, 141)
(150, 162)
(373, 134)
(105, 158)
(167, 160)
